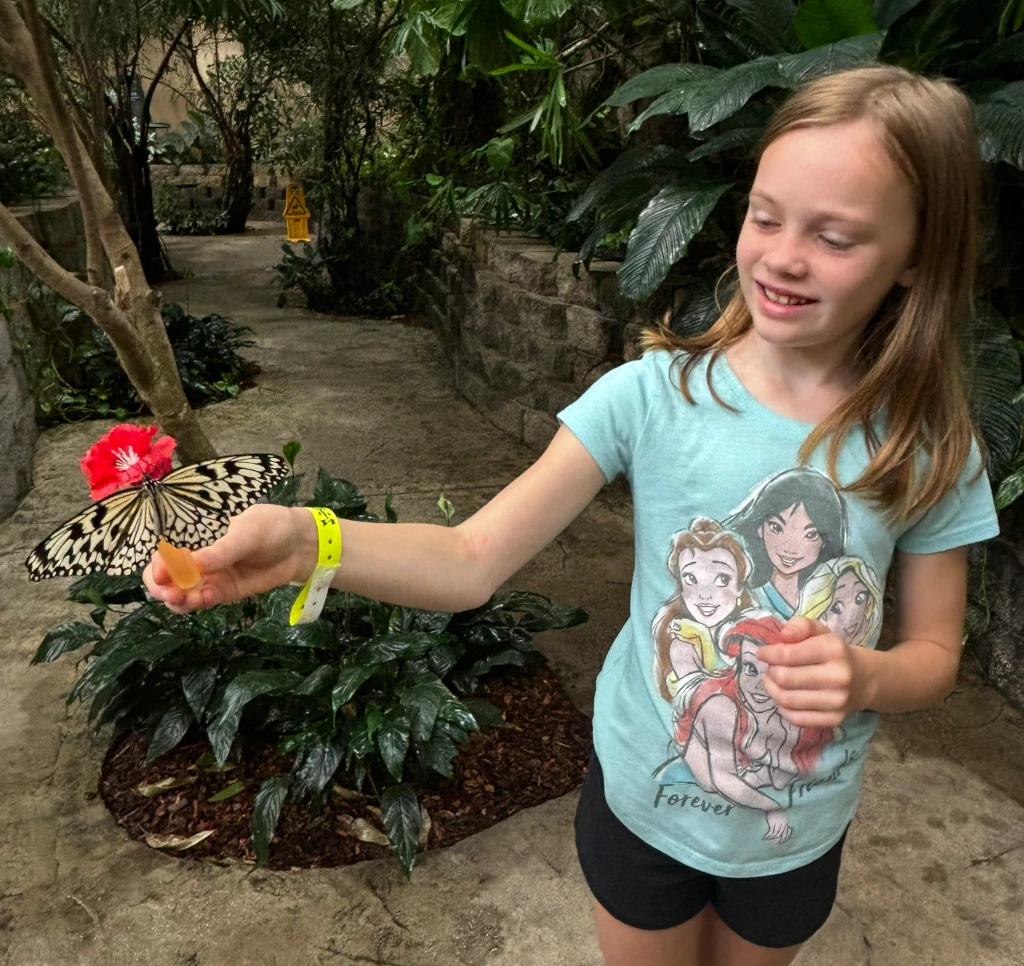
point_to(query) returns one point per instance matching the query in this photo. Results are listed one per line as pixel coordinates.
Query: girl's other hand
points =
(813, 677)
(265, 546)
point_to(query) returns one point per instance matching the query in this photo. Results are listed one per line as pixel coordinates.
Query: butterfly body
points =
(189, 507)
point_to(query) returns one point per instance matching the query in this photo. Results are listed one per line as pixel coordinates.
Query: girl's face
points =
(847, 615)
(830, 227)
(791, 540)
(708, 583)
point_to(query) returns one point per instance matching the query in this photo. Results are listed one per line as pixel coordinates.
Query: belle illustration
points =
(709, 568)
(792, 521)
(733, 738)
(844, 594)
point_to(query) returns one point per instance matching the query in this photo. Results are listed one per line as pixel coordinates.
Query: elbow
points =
(476, 578)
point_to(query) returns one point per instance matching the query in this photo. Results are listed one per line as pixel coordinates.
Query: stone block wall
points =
(56, 223)
(199, 186)
(524, 334)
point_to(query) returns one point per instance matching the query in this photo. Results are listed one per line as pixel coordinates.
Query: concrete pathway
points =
(934, 870)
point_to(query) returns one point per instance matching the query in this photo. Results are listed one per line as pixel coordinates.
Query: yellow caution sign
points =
(296, 214)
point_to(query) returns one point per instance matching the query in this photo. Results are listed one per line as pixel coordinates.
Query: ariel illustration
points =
(788, 524)
(733, 738)
(844, 594)
(709, 568)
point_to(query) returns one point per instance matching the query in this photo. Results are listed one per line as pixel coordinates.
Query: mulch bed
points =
(542, 755)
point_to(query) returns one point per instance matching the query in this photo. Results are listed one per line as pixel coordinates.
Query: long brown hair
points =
(910, 359)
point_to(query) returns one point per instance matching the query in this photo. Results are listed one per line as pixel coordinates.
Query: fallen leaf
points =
(177, 842)
(165, 785)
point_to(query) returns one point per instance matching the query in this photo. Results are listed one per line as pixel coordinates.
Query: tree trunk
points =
(238, 182)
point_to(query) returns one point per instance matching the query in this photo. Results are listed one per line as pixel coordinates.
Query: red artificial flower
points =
(123, 457)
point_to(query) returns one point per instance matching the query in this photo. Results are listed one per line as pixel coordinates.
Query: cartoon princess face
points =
(791, 539)
(751, 677)
(710, 583)
(846, 617)
(845, 595)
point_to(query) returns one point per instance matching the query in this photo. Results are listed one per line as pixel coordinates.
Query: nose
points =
(784, 256)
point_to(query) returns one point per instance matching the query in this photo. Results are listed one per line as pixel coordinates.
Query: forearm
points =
(411, 564)
(910, 676)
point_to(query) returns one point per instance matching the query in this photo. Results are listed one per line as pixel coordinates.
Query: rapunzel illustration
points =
(731, 735)
(844, 594)
(709, 568)
(792, 521)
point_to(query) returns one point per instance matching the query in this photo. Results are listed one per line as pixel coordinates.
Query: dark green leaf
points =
(393, 742)
(108, 589)
(485, 713)
(820, 22)
(243, 689)
(422, 702)
(1000, 117)
(341, 496)
(444, 656)
(197, 685)
(350, 679)
(285, 492)
(658, 80)
(389, 510)
(387, 647)
(266, 811)
(539, 613)
(437, 753)
(171, 728)
(486, 24)
(323, 677)
(665, 229)
(886, 12)
(537, 12)
(740, 137)
(319, 763)
(110, 665)
(400, 813)
(274, 630)
(61, 640)
(457, 713)
(845, 54)
(1012, 486)
(770, 22)
(1008, 50)
(639, 170)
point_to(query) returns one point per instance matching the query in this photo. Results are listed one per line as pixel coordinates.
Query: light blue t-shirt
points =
(732, 537)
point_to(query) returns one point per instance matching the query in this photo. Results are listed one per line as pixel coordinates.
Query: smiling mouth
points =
(789, 561)
(782, 298)
(760, 697)
(707, 609)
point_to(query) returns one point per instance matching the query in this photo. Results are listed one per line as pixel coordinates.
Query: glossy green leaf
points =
(422, 702)
(740, 137)
(662, 234)
(170, 729)
(821, 22)
(1000, 118)
(770, 22)
(64, 639)
(400, 813)
(350, 679)
(197, 685)
(266, 812)
(243, 689)
(393, 743)
(659, 80)
(229, 791)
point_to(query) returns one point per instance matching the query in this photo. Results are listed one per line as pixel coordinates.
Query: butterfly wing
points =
(116, 534)
(196, 502)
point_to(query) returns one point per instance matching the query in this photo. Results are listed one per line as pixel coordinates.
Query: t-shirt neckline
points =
(744, 395)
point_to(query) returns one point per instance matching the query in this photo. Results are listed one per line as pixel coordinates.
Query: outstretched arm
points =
(413, 564)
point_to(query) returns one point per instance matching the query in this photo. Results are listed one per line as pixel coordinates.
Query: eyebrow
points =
(824, 215)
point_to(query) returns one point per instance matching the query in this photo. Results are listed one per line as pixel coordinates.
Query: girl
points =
(839, 352)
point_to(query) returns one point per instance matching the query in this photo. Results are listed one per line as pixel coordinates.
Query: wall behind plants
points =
(524, 334)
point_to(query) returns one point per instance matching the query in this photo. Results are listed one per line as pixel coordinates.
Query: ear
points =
(907, 278)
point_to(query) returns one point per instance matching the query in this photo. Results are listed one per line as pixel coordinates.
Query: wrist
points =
(305, 543)
(865, 677)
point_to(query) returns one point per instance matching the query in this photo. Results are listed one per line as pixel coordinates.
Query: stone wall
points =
(56, 223)
(524, 334)
(199, 186)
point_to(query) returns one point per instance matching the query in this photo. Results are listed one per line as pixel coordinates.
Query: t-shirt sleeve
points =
(966, 514)
(609, 417)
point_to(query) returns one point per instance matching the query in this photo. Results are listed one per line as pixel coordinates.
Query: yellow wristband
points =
(310, 601)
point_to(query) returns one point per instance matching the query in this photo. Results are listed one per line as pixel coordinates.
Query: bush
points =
(84, 379)
(176, 218)
(370, 693)
(30, 165)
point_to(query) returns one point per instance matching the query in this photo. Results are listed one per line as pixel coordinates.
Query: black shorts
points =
(645, 888)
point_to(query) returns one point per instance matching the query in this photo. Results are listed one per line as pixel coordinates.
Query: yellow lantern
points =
(296, 214)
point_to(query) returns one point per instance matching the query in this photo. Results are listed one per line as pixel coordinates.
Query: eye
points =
(861, 597)
(763, 222)
(689, 578)
(836, 608)
(836, 244)
(812, 536)
(722, 580)
(774, 527)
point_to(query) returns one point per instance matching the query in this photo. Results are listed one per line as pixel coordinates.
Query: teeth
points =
(784, 299)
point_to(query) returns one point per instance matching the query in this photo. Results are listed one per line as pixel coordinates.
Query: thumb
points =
(799, 628)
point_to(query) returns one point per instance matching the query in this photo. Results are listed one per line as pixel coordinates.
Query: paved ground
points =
(934, 870)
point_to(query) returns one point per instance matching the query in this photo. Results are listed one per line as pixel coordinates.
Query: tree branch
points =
(91, 299)
(162, 68)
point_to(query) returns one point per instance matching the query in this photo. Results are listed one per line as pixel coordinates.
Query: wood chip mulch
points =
(542, 755)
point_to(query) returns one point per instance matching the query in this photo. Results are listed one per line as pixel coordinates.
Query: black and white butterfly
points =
(189, 507)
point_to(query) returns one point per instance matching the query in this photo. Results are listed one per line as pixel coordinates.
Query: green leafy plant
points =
(84, 379)
(30, 165)
(370, 695)
(198, 142)
(176, 218)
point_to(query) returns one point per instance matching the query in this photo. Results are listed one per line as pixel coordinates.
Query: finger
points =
(159, 571)
(825, 701)
(798, 628)
(830, 675)
(813, 650)
(813, 719)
